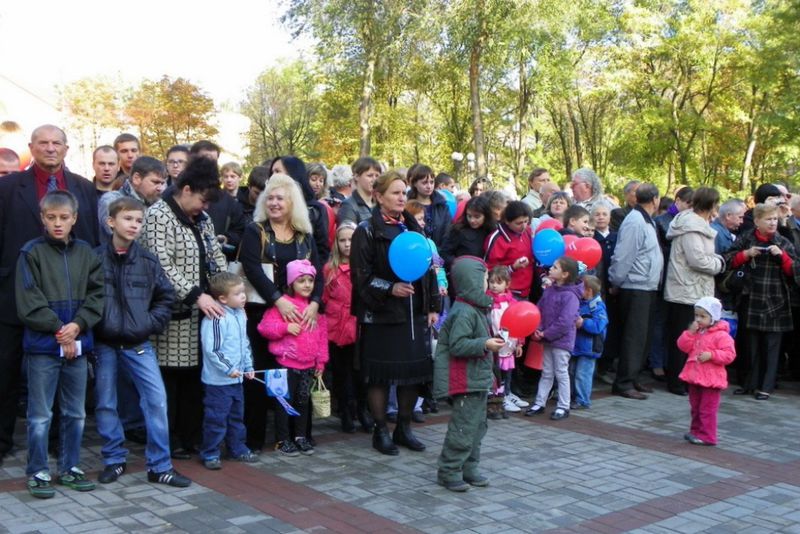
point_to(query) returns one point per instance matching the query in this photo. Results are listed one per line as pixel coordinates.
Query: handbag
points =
(735, 280)
(320, 399)
(236, 267)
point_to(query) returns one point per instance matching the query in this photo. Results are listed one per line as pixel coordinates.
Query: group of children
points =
(73, 300)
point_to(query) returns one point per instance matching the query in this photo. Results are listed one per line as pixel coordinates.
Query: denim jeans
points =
(142, 366)
(223, 421)
(128, 406)
(46, 376)
(583, 372)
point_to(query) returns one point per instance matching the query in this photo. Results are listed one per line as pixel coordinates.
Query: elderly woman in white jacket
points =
(690, 274)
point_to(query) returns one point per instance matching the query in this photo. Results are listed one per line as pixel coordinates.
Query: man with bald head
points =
(9, 161)
(20, 221)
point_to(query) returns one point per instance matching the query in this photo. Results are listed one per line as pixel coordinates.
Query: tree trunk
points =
(576, 134)
(365, 108)
(748, 159)
(523, 103)
(475, 95)
(670, 175)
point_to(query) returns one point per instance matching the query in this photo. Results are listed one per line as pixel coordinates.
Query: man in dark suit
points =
(20, 221)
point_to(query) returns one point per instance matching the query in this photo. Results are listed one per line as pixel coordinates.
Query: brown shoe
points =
(632, 394)
(641, 388)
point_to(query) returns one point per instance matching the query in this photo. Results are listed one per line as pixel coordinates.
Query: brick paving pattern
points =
(622, 466)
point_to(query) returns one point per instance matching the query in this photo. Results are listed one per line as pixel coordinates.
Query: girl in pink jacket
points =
(303, 352)
(710, 348)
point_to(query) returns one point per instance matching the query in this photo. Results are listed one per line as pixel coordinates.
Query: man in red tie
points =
(20, 221)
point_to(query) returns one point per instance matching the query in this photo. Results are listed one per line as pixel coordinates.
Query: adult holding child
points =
(181, 235)
(393, 316)
(280, 233)
(690, 274)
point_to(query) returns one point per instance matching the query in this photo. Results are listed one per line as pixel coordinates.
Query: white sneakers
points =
(509, 406)
(519, 403)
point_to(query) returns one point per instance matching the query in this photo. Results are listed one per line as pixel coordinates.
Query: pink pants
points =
(704, 403)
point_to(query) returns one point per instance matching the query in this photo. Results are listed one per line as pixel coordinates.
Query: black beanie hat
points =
(765, 191)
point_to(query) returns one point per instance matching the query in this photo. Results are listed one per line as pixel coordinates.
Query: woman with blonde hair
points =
(280, 233)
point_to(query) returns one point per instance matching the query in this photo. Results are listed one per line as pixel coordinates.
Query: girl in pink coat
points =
(302, 351)
(710, 348)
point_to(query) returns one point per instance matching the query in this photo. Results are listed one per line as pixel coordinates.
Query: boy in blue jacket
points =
(589, 339)
(226, 359)
(138, 304)
(59, 290)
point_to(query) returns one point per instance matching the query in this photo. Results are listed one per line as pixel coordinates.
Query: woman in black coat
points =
(437, 214)
(294, 167)
(392, 349)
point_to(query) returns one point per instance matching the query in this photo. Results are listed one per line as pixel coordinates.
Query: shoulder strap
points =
(263, 242)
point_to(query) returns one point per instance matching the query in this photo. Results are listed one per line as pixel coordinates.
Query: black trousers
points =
(10, 368)
(256, 401)
(613, 340)
(679, 317)
(349, 391)
(634, 321)
(299, 382)
(763, 353)
(184, 406)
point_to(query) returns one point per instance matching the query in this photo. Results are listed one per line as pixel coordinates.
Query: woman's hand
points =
(209, 306)
(310, 315)
(287, 310)
(520, 263)
(775, 250)
(433, 317)
(402, 289)
(752, 252)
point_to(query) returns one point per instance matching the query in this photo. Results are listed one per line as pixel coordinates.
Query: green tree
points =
(282, 106)
(168, 112)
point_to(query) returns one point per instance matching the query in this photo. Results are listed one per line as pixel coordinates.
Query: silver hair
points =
(588, 176)
(730, 206)
(601, 204)
(340, 176)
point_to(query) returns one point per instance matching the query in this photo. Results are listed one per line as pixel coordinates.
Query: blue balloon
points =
(410, 256)
(451, 201)
(548, 246)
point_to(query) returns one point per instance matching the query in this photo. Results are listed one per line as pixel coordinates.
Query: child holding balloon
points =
(559, 308)
(502, 298)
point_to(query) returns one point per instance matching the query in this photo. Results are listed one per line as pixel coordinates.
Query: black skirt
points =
(389, 355)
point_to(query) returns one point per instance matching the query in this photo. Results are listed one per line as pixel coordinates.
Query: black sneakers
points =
(170, 478)
(111, 473)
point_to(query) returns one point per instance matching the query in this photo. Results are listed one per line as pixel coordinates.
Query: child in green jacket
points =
(463, 373)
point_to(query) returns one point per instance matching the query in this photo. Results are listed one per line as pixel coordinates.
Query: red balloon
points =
(569, 243)
(555, 224)
(521, 319)
(587, 250)
(460, 210)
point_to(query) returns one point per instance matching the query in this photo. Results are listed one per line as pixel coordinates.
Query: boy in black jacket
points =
(59, 291)
(138, 304)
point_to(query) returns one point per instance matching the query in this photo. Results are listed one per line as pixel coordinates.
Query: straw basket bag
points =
(320, 399)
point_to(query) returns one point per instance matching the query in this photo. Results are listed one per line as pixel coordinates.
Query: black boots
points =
(382, 442)
(365, 418)
(403, 436)
(347, 420)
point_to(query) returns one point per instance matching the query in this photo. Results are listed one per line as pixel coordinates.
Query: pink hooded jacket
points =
(307, 350)
(716, 340)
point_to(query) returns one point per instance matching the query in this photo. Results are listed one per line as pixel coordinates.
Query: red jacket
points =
(717, 340)
(504, 247)
(337, 295)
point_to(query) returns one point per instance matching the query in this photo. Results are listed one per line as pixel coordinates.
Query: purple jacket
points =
(559, 308)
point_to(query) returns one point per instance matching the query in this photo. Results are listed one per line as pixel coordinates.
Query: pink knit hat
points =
(297, 268)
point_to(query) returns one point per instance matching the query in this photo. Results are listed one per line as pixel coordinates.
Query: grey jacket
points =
(637, 262)
(692, 261)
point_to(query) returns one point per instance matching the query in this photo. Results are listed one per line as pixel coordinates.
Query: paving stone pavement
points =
(622, 466)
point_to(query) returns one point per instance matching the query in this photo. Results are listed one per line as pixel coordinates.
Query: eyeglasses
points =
(176, 162)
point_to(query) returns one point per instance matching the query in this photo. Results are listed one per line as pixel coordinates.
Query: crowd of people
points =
(183, 284)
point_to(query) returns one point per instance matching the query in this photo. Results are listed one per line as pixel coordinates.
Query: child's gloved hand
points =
(294, 329)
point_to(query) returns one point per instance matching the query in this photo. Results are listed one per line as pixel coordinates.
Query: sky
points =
(220, 46)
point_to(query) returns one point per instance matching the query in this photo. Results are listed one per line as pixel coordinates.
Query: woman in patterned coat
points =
(181, 235)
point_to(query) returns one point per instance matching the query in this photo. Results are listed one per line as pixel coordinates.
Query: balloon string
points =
(411, 314)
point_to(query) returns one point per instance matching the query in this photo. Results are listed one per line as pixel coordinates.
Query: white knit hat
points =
(712, 306)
